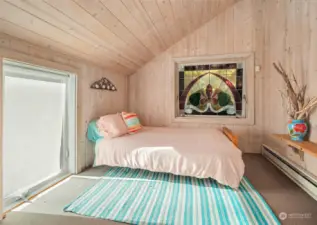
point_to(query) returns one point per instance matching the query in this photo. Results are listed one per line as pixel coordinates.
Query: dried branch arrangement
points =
(298, 106)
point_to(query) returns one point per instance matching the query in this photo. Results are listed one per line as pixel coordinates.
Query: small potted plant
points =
(298, 106)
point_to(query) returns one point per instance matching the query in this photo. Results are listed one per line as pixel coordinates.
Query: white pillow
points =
(112, 126)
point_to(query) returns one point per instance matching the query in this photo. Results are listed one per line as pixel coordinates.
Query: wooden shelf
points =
(305, 146)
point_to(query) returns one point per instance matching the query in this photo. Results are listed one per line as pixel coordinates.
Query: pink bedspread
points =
(199, 153)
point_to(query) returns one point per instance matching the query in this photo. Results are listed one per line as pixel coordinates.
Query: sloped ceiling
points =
(121, 35)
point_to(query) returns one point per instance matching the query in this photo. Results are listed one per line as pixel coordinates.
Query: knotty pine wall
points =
(91, 103)
(275, 30)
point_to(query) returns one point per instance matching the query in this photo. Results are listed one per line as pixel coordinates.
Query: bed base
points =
(230, 135)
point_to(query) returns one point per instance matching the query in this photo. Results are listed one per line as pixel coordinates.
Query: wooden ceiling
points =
(121, 35)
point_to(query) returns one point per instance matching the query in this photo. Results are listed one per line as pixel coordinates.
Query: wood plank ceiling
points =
(121, 35)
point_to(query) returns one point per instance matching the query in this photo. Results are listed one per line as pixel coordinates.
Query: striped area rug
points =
(142, 197)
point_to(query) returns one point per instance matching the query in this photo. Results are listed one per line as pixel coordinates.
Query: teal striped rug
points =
(143, 197)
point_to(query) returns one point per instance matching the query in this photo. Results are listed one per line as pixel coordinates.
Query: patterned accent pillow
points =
(132, 121)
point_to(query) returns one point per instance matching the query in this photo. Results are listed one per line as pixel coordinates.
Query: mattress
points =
(200, 153)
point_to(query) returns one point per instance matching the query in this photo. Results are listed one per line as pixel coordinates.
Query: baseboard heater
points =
(304, 179)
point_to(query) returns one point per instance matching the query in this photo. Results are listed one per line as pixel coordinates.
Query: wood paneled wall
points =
(91, 103)
(286, 32)
(150, 88)
(275, 30)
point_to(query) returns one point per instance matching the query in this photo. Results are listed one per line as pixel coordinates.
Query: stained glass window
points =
(211, 89)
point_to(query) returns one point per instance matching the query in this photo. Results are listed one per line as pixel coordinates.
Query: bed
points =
(200, 153)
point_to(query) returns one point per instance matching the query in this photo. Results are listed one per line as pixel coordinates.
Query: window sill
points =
(215, 120)
(51, 182)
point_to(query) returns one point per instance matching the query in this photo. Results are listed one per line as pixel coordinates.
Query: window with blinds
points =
(39, 114)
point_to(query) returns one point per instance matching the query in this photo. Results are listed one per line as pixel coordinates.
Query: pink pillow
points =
(112, 126)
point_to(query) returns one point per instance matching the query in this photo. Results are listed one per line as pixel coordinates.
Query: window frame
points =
(249, 82)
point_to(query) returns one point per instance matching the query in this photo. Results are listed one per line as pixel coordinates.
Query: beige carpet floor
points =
(278, 190)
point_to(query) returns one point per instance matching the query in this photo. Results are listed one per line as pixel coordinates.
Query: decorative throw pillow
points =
(132, 121)
(112, 126)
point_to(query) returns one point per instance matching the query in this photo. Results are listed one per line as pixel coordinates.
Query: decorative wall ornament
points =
(103, 84)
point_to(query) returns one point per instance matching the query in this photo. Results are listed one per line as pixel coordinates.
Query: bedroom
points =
(189, 70)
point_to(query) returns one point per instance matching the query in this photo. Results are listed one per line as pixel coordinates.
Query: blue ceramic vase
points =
(297, 130)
